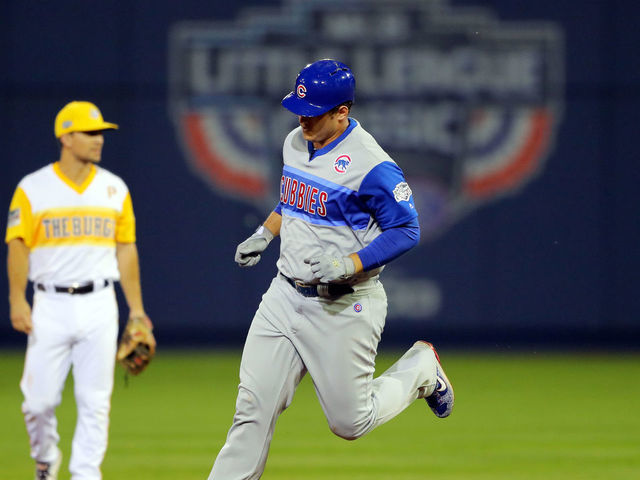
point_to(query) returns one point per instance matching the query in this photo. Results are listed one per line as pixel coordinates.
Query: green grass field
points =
(517, 416)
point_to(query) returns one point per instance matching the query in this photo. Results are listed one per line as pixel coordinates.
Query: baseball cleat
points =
(441, 400)
(50, 472)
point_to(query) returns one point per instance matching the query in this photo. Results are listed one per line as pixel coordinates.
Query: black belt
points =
(326, 290)
(75, 289)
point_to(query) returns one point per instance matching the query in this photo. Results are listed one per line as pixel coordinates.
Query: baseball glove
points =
(137, 346)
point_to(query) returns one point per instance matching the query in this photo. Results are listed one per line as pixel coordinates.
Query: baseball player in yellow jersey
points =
(71, 231)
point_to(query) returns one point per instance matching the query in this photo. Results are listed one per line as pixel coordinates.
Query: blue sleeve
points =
(278, 208)
(387, 196)
(390, 244)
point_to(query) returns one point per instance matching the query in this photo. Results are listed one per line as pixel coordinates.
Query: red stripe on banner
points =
(520, 165)
(214, 166)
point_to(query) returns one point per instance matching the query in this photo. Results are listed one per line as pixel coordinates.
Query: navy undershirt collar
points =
(327, 148)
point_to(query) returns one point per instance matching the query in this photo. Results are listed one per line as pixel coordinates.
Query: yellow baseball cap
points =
(80, 117)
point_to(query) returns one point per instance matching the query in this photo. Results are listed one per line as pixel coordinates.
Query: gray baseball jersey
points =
(338, 199)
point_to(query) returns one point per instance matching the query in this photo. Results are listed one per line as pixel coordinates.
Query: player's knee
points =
(252, 406)
(348, 429)
(246, 404)
(35, 407)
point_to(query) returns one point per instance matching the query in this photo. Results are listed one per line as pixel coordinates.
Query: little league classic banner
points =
(468, 105)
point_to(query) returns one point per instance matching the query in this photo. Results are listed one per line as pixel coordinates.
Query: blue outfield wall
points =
(515, 124)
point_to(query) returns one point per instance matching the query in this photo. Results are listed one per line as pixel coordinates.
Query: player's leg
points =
(339, 348)
(93, 364)
(270, 371)
(47, 364)
(412, 375)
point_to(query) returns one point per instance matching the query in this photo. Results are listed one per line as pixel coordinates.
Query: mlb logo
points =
(341, 164)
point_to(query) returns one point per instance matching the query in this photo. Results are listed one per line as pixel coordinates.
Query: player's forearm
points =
(17, 269)
(129, 267)
(357, 263)
(273, 223)
(389, 245)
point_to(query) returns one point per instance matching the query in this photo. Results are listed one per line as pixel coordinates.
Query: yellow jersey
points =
(71, 230)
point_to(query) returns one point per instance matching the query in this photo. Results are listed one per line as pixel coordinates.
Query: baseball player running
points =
(345, 211)
(71, 231)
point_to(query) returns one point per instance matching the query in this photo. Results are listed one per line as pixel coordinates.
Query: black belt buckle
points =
(75, 289)
(324, 290)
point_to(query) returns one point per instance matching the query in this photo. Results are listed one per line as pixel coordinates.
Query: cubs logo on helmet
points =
(330, 83)
(469, 108)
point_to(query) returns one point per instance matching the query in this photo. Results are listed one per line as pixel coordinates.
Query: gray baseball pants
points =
(336, 342)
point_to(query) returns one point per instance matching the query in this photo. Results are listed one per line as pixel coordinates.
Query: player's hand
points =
(328, 268)
(248, 252)
(20, 313)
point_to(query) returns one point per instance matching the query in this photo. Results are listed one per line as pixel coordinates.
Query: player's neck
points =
(342, 126)
(74, 169)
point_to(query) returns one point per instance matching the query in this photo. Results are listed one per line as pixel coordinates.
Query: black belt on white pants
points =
(76, 288)
(326, 290)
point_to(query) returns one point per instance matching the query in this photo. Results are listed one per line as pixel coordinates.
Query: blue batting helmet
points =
(320, 86)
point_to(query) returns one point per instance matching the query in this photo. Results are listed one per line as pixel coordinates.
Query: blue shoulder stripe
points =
(317, 180)
(321, 202)
(291, 212)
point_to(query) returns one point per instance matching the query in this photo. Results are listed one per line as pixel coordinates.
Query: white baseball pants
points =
(78, 331)
(336, 342)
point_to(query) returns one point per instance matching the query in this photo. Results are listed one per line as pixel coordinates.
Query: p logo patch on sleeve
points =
(14, 218)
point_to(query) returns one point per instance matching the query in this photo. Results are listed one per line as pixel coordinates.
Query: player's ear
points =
(343, 111)
(65, 140)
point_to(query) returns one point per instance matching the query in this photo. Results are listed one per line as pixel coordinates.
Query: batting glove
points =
(248, 252)
(328, 268)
